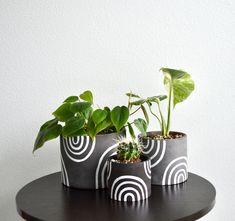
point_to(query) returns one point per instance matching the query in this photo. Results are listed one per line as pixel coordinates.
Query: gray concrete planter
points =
(168, 158)
(84, 161)
(129, 182)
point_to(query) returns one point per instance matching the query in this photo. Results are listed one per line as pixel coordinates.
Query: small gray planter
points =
(129, 182)
(168, 158)
(84, 161)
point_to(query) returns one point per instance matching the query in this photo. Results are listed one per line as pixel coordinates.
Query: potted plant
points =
(166, 149)
(129, 173)
(88, 136)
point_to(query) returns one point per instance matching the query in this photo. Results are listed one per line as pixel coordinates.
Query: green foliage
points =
(141, 125)
(76, 118)
(128, 152)
(179, 86)
(119, 117)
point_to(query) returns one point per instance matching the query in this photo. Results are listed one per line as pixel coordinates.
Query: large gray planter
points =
(84, 161)
(129, 182)
(168, 158)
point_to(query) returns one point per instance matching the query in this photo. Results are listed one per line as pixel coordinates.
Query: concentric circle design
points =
(155, 149)
(101, 169)
(64, 174)
(78, 149)
(176, 171)
(129, 188)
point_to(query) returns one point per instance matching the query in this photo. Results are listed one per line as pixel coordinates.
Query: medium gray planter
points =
(168, 158)
(129, 182)
(84, 161)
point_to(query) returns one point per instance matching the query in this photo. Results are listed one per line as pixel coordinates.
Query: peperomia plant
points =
(179, 86)
(77, 116)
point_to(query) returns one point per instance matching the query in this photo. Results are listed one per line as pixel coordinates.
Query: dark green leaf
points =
(72, 126)
(71, 99)
(99, 115)
(119, 116)
(91, 128)
(141, 125)
(48, 133)
(131, 131)
(80, 106)
(87, 113)
(63, 112)
(49, 124)
(87, 96)
(103, 125)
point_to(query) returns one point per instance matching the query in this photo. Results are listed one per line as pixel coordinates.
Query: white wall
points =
(52, 49)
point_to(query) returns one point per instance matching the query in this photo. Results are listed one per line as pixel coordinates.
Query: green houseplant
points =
(129, 173)
(167, 149)
(88, 136)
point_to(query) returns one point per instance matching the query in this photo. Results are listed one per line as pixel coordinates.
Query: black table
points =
(47, 199)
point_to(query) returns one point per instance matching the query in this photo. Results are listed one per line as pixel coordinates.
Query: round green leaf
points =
(99, 115)
(79, 107)
(71, 99)
(119, 116)
(63, 112)
(72, 126)
(87, 96)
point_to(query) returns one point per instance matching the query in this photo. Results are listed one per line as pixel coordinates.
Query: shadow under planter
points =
(129, 181)
(168, 158)
(84, 161)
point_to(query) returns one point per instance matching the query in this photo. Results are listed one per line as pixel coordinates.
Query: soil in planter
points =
(127, 162)
(160, 137)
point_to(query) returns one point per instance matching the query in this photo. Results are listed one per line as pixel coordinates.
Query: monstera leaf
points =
(179, 82)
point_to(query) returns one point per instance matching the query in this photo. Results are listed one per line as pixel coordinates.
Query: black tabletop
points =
(47, 199)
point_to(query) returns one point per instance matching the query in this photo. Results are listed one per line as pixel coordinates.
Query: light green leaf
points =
(141, 125)
(145, 113)
(156, 99)
(138, 102)
(173, 73)
(71, 99)
(119, 116)
(132, 95)
(182, 85)
(63, 112)
(80, 107)
(87, 96)
(99, 115)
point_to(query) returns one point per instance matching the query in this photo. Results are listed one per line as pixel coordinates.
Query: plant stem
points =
(135, 111)
(163, 123)
(169, 110)
(155, 116)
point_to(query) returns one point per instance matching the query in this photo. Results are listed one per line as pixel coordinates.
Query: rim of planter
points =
(143, 158)
(159, 132)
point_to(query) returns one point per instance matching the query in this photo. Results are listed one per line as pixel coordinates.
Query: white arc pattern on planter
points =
(64, 173)
(176, 170)
(102, 166)
(147, 169)
(159, 147)
(78, 149)
(132, 186)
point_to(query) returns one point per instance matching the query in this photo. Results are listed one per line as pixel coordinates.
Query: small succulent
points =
(128, 152)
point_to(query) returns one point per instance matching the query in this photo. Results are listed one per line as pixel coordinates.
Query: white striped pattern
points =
(147, 168)
(76, 154)
(64, 173)
(100, 171)
(130, 183)
(180, 166)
